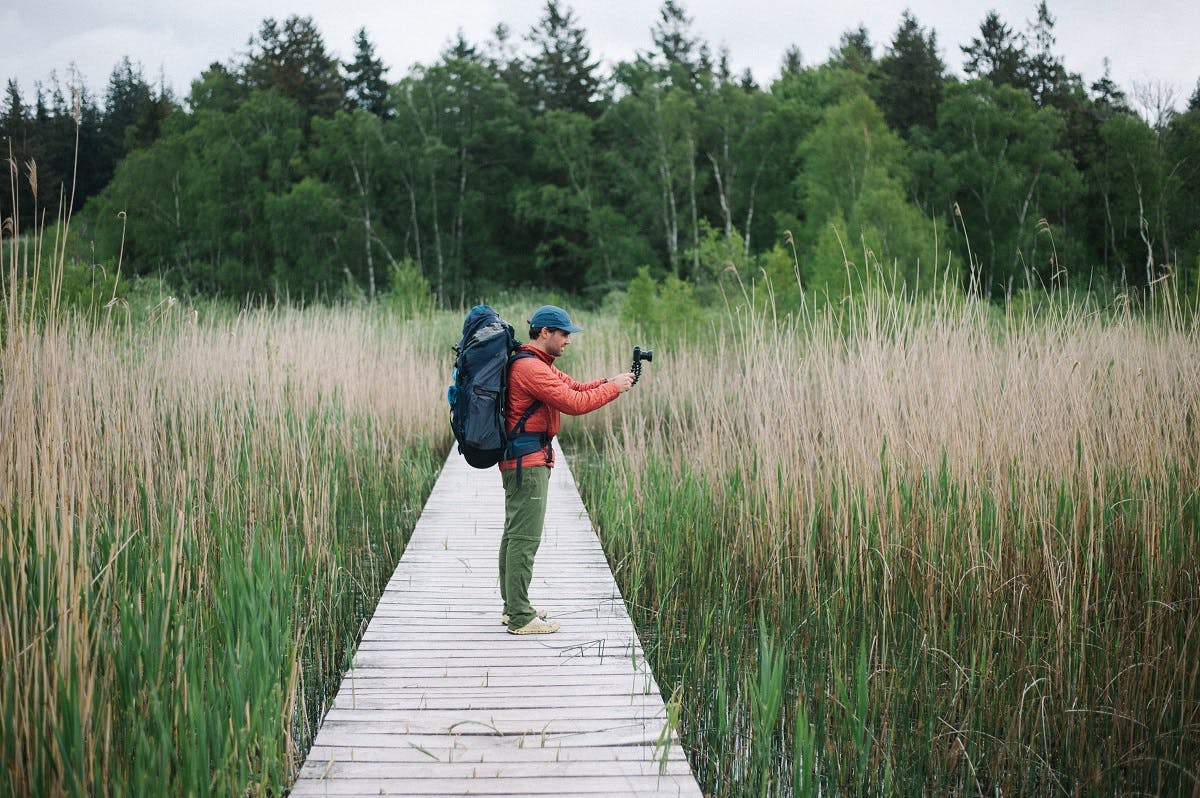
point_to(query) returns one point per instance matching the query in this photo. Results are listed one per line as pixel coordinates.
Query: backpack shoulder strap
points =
(519, 427)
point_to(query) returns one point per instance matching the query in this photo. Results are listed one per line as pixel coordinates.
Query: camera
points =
(639, 355)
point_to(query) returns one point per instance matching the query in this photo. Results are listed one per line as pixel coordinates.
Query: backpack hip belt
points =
(521, 443)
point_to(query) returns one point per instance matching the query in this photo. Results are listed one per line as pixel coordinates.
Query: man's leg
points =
(524, 514)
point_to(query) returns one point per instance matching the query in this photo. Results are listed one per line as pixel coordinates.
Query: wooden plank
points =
(441, 700)
(667, 785)
(509, 754)
(347, 736)
(388, 699)
(493, 769)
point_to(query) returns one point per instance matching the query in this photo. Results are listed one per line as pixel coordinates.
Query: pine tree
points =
(997, 54)
(12, 124)
(854, 51)
(561, 72)
(14, 127)
(462, 50)
(366, 87)
(1047, 78)
(792, 62)
(1108, 97)
(683, 58)
(291, 60)
(128, 100)
(911, 78)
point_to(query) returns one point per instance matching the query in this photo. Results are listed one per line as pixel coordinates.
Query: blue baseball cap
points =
(551, 316)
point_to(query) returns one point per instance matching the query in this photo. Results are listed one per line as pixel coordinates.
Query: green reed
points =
(196, 520)
(1014, 610)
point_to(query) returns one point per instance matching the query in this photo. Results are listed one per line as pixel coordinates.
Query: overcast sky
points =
(1147, 41)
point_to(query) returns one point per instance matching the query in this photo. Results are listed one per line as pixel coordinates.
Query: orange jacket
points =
(536, 378)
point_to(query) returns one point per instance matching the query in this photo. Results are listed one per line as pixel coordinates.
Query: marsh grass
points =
(197, 516)
(888, 547)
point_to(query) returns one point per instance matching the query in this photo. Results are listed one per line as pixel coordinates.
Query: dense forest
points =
(517, 161)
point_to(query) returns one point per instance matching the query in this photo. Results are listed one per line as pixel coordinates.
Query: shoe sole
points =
(544, 629)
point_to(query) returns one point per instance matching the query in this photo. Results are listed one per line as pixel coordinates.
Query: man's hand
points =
(623, 381)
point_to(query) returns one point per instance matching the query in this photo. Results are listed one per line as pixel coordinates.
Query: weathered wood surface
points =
(441, 700)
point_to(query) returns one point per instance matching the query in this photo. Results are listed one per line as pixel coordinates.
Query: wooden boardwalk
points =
(441, 700)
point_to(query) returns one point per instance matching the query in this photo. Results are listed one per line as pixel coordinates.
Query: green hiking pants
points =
(524, 513)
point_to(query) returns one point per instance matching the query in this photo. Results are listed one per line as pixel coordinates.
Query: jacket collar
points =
(545, 357)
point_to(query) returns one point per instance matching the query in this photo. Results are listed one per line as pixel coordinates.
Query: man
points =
(537, 394)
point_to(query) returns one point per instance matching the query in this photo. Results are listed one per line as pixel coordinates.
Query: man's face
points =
(557, 342)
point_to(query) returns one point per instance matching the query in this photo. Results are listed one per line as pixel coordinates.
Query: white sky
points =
(1147, 41)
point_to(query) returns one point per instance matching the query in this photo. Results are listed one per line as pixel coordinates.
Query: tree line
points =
(519, 161)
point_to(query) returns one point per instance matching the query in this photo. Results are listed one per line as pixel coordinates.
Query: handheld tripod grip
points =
(639, 355)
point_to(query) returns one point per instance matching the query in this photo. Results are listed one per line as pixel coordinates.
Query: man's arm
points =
(555, 389)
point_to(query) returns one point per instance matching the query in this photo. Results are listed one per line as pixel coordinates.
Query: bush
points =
(409, 294)
(661, 309)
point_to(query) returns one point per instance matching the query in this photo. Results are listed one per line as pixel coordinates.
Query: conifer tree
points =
(366, 87)
(12, 123)
(561, 71)
(682, 57)
(792, 61)
(291, 60)
(854, 51)
(911, 78)
(14, 135)
(1046, 75)
(133, 116)
(996, 54)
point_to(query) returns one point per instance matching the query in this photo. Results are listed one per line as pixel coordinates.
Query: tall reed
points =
(196, 516)
(972, 536)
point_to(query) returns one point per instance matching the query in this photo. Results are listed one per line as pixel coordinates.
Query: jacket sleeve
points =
(558, 391)
(579, 386)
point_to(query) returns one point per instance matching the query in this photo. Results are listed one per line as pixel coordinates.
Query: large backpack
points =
(479, 392)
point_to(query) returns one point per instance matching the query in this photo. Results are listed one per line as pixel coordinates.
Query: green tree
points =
(458, 138)
(15, 124)
(561, 72)
(582, 239)
(911, 78)
(52, 143)
(662, 310)
(851, 145)
(659, 165)
(1001, 162)
(996, 54)
(738, 142)
(306, 224)
(196, 201)
(15, 119)
(1046, 76)
(852, 184)
(133, 115)
(681, 59)
(1135, 186)
(352, 155)
(217, 89)
(1182, 148)
(854, 52)
(792, 61)
(1107, 96)
(366, 86)
(829, 271)
(798, 100)
(291, 60)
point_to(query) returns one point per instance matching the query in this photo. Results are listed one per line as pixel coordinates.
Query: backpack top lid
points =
(479, 317)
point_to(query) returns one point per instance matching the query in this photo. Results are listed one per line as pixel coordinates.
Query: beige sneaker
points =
(536, 627)
(539, 613)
